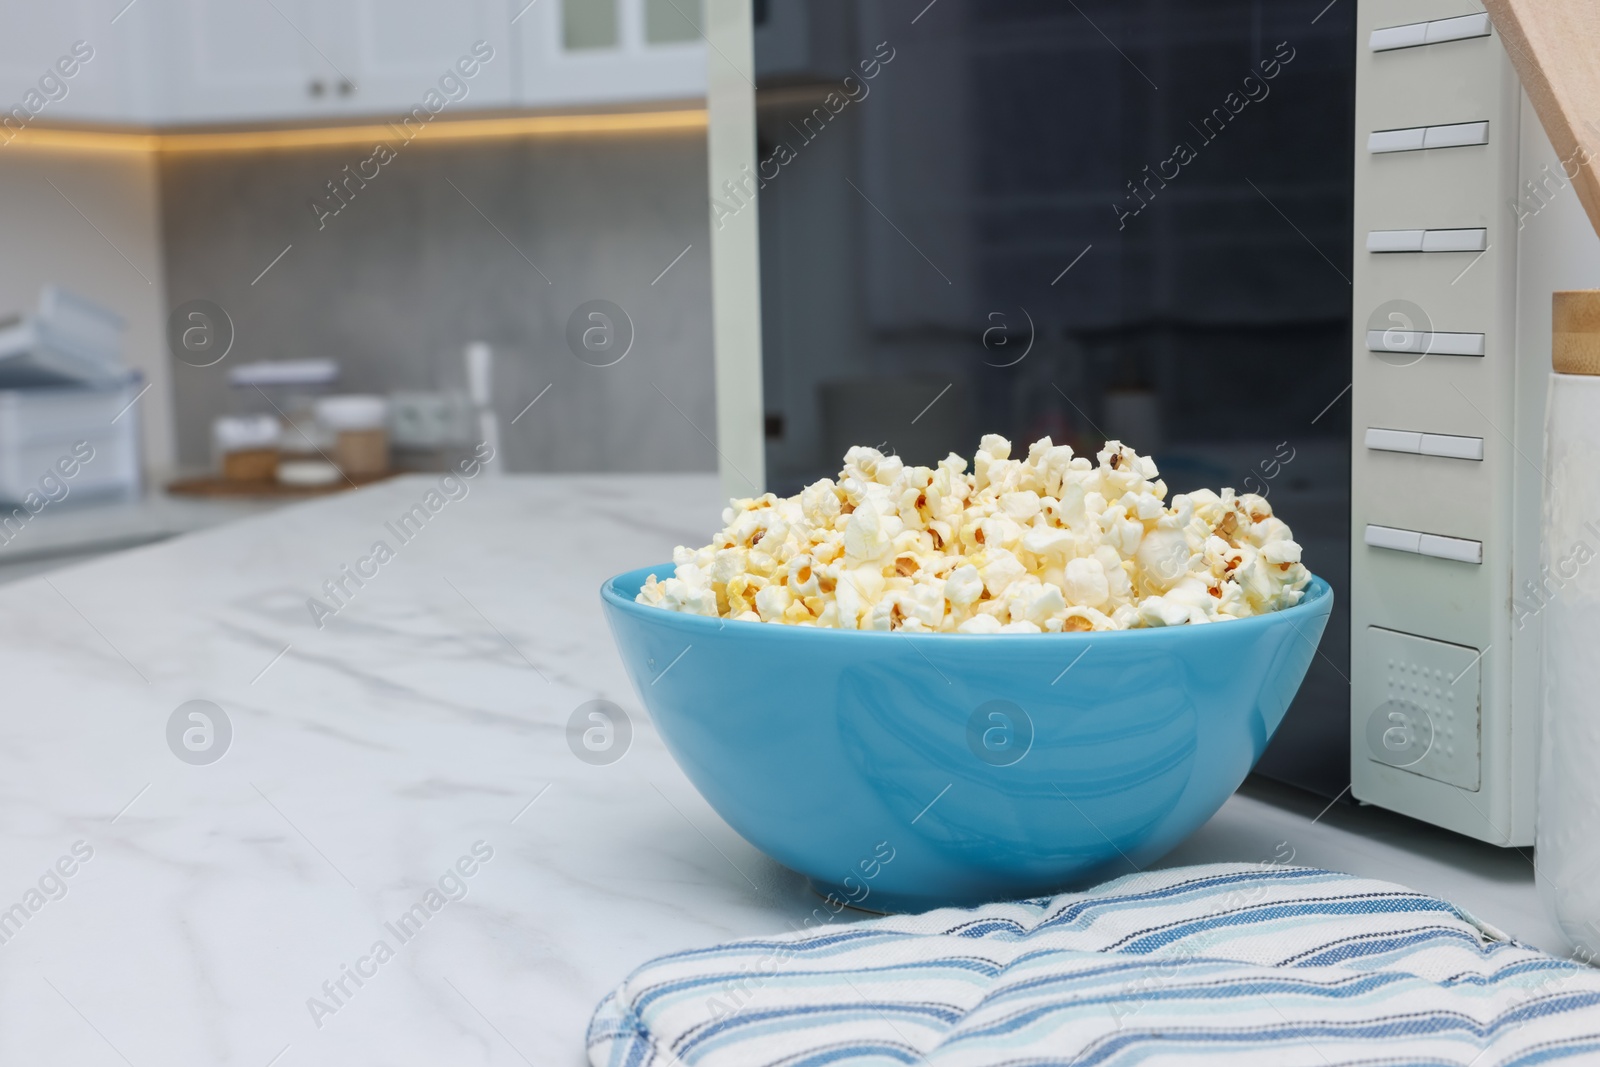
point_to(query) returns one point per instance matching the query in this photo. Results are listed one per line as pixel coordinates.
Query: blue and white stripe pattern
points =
(1234, 964)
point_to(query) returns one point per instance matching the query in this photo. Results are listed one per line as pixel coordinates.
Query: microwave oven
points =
(1304, 253)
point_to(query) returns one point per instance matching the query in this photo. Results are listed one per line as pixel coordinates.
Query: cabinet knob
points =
(316, 88)
(345, 87)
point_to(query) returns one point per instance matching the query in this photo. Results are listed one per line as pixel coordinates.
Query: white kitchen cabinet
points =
(247, 60)
(68, 61)
(218, 62)
(576, 52)
(394, 54)
(255, 60)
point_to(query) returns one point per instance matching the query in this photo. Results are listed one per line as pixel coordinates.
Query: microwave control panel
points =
(1447, 428)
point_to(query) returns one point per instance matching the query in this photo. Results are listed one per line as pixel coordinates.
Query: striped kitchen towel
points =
(1235, 964)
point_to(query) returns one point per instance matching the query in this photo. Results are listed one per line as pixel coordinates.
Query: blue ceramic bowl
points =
(906, 771)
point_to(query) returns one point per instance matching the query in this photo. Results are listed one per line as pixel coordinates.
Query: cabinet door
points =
(227, 60)
(66, 61)
(577, 52)
(395, 56)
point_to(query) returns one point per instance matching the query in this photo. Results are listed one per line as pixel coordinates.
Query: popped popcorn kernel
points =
(1050, 543)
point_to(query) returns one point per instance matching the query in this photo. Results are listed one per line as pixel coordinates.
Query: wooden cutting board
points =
(211, 485)
(1555, 46)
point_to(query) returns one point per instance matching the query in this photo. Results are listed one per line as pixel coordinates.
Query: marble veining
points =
(425, 722)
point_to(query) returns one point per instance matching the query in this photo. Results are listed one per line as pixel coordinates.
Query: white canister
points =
(1567, 595)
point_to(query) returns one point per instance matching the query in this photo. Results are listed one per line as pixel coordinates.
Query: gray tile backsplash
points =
(409, 270)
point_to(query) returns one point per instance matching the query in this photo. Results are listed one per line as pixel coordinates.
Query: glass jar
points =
(290, 390)
(359, 426)
(244, 448)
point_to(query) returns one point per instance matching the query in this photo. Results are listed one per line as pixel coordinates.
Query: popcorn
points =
(1052, 543)
(1084, 583)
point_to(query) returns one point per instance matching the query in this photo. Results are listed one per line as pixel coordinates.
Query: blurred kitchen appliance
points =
(43, 426)
(971, 217)
(1465, 221)
(67, 340)
(948, 203)
(422, 421)
(66, 404)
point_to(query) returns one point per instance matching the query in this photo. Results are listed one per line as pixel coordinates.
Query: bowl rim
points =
(1318, 598)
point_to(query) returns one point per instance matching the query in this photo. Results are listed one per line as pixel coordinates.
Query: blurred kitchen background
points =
(202, 230)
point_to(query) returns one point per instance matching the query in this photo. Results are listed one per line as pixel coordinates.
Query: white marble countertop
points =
(426, 719)
(78, 527)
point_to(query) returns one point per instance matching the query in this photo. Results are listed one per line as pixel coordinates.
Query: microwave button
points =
(1409, 140)
(1394, 440)
(1456, 344)
(1456, 135)
(1395, 340)
(1392, 37)
(1442, 344)
(1460, 28)
(1450, 446)
(1457, 548)
(1394, 539)
(1467, 240)
(1395, 240)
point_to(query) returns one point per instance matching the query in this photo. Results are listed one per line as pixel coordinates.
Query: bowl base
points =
(838, 894)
